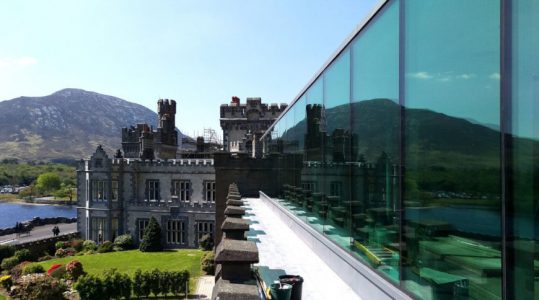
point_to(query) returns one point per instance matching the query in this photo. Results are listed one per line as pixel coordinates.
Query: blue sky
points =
(199, 53)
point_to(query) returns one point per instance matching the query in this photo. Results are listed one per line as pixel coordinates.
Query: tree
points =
(152, 237)
(47, 182)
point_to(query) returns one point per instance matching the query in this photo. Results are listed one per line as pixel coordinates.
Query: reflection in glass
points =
(523, 209)
(374, 204)
(452, 151)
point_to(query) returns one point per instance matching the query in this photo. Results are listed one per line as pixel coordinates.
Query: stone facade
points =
(244, 124)
(119, 195)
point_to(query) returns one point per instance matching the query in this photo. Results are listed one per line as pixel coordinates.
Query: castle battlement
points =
(168, 162)
(166, 106)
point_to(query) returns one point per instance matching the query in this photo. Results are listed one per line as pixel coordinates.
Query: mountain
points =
(66, 125)
(376, 123)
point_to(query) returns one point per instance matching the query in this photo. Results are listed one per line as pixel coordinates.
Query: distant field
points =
(129, 261)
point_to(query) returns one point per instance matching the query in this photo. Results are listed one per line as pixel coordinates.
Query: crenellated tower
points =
(144, 142)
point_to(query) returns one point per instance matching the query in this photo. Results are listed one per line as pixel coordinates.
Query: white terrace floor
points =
(281, 249)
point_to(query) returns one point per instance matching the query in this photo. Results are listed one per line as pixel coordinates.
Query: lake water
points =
(11, 213)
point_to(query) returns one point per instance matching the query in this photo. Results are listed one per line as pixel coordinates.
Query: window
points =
(181, 190)
(99, 190)
(152, 190)
(335, 188)
(204, 228)
(176, 232)
(98, 229)
(141, 225)
(114, 190)
(209, 191)
(309, 186)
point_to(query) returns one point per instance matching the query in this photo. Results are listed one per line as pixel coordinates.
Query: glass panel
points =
(335, 131)
(311, 173)
(374, 204)
(452, 194)
(523, 210)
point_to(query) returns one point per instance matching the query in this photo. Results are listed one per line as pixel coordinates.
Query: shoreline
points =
(24, 202)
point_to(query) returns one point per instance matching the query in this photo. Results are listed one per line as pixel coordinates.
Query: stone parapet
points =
(235, 228)
(234, 212)
(232, 202)
(226, 290)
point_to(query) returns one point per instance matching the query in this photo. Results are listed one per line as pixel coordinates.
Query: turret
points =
(166, 111)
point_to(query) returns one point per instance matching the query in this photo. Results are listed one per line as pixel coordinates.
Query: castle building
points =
(141, 141)
(118, 195)
(244, 124)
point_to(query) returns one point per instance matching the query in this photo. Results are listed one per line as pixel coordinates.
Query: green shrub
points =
(152, 237)
(61, 245)
(9, 263)
(155, 278)
(180, 282)
(206, 242)
(208, 263)
(107, 246)
(6, 251)
(89, 245)
(39, 286)
(89, 287)
(165, 282)
(33, 269)
(124, 242)
(138, 280)
(74, 269)
(125, 286)
(23, 255)
(116, 285)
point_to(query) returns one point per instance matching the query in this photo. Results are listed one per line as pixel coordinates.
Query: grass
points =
(2, 297)
(129, 261)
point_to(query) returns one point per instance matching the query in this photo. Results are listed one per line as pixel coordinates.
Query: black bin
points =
(296, 282)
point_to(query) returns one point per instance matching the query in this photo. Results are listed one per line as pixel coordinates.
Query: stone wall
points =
(251, 176)
(37, 221)
(39, 247)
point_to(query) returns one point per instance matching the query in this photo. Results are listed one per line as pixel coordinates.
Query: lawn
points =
(129, 261)
(2, 297)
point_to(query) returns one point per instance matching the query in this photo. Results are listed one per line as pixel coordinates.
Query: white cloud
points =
(421, 75)
(17, 62)
(495, 76)
(466, 76)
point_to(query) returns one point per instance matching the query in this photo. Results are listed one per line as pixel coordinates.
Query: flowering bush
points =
(74, 269)
(57, 271)
(16, 271)
(6, 282)
(89, 245)
(39, 286)
(64, 252)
